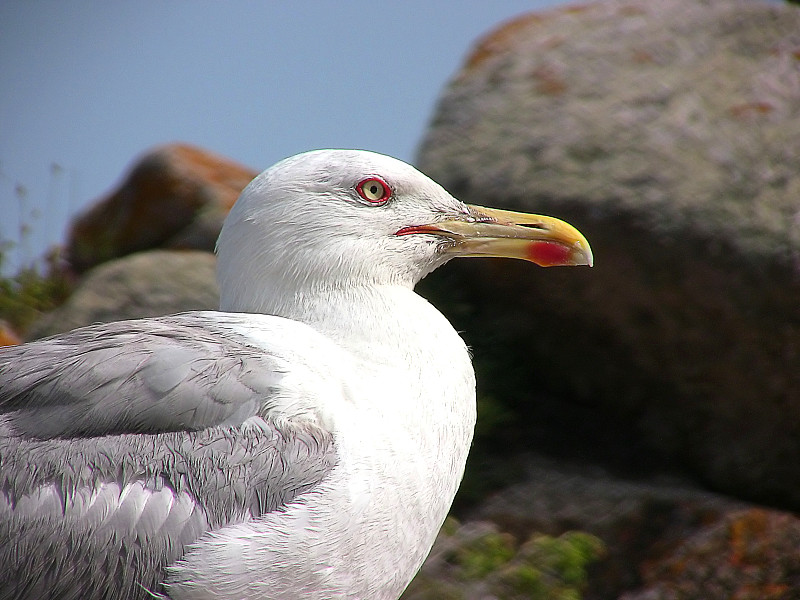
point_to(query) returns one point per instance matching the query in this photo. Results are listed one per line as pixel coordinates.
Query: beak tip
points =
(588, 256)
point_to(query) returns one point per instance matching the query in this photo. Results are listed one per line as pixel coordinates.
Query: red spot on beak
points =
(549, 254)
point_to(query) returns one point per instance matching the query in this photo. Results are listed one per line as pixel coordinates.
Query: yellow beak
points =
(546, 241)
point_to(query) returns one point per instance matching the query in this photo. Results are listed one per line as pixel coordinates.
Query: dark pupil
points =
(373, 189)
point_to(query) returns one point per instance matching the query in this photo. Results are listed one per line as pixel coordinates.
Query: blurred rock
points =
(668, 133)
(749, 555)
(175, 196)
(147, 284)
(639, 521)
(609, 537)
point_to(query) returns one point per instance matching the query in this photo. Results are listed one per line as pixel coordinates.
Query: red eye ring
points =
(374, 190)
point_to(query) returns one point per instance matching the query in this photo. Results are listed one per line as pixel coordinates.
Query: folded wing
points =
(121, 444)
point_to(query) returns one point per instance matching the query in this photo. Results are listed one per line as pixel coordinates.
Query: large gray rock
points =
(147, 284)
(669, 133)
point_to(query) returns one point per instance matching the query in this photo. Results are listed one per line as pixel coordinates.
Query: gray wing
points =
(182, 372)
(122, 444)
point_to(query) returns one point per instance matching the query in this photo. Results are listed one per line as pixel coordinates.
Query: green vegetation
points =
(493, 563)
(38, 287)
(31, 292)
(485, 555)
(551, 567)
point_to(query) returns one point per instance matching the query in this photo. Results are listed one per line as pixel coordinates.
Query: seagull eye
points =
(374, 190)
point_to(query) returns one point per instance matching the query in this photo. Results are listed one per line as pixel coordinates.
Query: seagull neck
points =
(362, 317)
(369, 320)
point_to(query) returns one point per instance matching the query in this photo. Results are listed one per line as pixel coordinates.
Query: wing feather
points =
(122, 444)
(104, 507)
(182, 372)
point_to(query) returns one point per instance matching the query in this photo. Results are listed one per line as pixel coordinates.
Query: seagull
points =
(306, 441)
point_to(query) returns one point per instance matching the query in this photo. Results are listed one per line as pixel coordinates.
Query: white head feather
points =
(301, 227)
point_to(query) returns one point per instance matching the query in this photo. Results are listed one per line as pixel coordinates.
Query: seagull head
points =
(337, 219)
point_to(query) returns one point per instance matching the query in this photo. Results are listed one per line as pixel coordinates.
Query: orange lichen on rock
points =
(549, 81)
(8, 337)
(499, 40)
(750, 109)
(175, 192)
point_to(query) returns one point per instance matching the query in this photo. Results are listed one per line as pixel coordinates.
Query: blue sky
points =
(88, 86)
